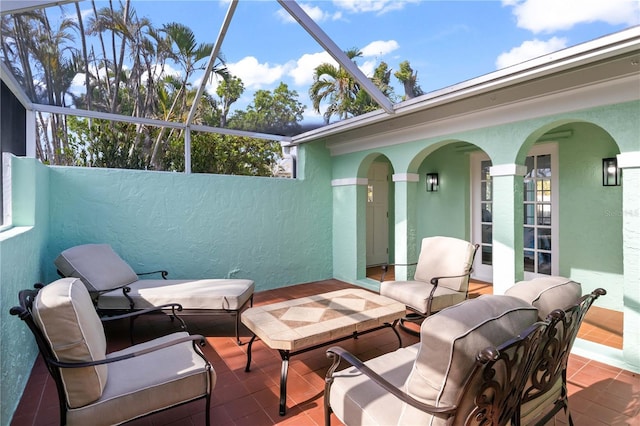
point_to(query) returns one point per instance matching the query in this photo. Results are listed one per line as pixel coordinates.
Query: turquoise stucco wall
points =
(274, 231)
(590, 214)
(22, 251)
(445, 212)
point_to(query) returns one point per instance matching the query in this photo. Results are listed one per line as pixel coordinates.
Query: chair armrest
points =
(174, 307)
(385, 267)
(163, 273)
(194, 338)
(435, 280)
(337, 353)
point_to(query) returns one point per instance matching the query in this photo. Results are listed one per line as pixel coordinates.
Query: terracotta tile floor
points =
(599, 394)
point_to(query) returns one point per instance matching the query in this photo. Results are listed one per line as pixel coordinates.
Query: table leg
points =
(393, 327)
(283, 381)
(247, 368)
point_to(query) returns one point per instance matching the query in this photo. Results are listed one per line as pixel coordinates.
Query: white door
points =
(541, 212)
(540, 221)
(482, 216)
(377, 214)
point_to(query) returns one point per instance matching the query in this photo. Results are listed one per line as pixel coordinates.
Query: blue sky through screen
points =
(446, 42)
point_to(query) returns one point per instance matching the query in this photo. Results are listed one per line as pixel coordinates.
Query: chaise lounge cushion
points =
(229, 294)
(436, 374)
(101, 269)
(547, 293)
(97, 265)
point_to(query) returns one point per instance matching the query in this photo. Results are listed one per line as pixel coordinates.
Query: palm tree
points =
(409, 79)
(336, 86)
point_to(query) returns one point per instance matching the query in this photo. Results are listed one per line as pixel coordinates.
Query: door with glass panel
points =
(540, 211)
(482, 217)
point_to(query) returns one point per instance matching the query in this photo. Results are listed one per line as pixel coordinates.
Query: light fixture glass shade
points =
(432, 182)
(610, 172)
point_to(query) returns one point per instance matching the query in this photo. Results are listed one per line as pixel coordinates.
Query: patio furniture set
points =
(490, 360)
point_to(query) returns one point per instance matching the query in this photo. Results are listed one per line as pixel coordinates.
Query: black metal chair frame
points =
(497, 400)
(106, 313)
(416, 316)
(24, 312)
(556, 346)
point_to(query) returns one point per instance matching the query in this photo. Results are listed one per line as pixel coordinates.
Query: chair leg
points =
(412, 317)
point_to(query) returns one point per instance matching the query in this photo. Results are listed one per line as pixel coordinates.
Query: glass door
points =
(540, 214)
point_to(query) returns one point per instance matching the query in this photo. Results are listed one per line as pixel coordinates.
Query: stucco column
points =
(629, 162)
(349, 227)
(406, 246)
(508, 264)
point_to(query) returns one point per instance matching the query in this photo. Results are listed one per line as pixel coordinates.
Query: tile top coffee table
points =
(300, 325)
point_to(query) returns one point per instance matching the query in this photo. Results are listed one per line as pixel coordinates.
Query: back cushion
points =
(451, 339)
(97, 265)
(445, 256)
(547, 293)
(64, 312)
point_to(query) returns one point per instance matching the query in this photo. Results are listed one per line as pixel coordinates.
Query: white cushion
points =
(97, 265)
(416, 295)
(147, 383)
(228, 294)
(445, 256)
(547, 293)
(449, 343)
(64, 312)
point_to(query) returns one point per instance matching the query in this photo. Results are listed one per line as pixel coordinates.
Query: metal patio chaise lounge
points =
(115, 287)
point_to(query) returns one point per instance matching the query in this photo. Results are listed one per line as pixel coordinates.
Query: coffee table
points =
(304, 324)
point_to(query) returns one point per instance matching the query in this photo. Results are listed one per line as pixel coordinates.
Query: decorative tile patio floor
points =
(599, 394)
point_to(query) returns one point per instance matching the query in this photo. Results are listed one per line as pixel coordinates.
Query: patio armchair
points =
(470, 367)
(441, 278)
(116, 288)
(99, 388)
(546, 391)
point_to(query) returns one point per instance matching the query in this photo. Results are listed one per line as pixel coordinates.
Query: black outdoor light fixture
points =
(610, 172)
(432, 182)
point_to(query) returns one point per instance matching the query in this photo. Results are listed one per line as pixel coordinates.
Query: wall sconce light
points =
(610, 172)
(432, 182)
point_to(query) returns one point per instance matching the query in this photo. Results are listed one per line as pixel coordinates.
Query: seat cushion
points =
(415, 294)
(148, 383)
(64, 312)
(442, 257)
(547, 293)
(450, 341)
(97, 265)
(356, 400)
(230, 294)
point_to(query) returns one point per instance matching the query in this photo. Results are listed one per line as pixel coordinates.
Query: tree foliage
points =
(124, 61)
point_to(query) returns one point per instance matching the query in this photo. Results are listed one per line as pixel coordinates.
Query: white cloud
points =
(379, 48)
(541, 16)
(159, 72)
(377, 6)
(314, 12)
(255, 75)
(529, 50)
(368, 67)
(302, 71)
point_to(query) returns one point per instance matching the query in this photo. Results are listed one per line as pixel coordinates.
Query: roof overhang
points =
(609, 58)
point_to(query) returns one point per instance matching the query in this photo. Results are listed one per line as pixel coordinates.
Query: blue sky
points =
(446, 42)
